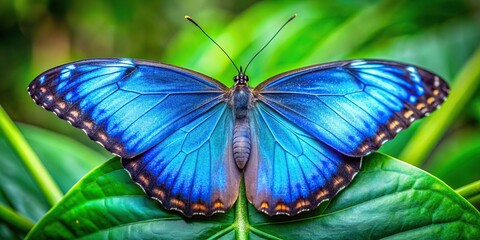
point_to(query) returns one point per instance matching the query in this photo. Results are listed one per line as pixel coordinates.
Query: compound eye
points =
(246, 78)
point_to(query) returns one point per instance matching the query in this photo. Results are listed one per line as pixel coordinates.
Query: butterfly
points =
(297, 139)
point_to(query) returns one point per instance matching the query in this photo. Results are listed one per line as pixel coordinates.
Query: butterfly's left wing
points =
(171, 126)
(354, 106)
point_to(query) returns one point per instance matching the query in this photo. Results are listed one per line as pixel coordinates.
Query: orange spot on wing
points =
(394, 126)
(321, 194)
(380, 137)
(74, 113)
(264, 205)
(117, 148)
(61, 105)
(338, 181)
(408, 114)
(158, 193)
(144, 181)
(364, 148)
(302, 203)
(133, 165)
(430, 100)
(420, 106)
(281, 207)
(218, 205)
(89, 125)
(102, 137)
(177, 202)
(349, 169)
(199, 207)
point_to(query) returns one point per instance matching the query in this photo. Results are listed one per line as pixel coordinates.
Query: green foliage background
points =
(443, 36)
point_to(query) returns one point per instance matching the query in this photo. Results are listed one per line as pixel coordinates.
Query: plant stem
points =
(241, 216)
(475, 201)
(470, 191)
(426, 137)
(30, 160)
(14, 219)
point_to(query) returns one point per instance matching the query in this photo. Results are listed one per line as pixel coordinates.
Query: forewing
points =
(192, 170)
(354, 106)
(289, 170)
(126, 105)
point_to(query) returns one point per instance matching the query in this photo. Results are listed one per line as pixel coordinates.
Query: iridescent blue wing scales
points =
(310, 127)
(290, 171)
(168, 124)
(192, 170)
(354, 106)
(126, 105)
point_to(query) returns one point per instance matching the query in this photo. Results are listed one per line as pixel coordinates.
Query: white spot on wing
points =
(71, 67)
(436, 82)
(357, 63)
(413, 74)
(127, 61)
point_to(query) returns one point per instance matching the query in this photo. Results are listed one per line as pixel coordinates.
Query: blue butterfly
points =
(297, 139)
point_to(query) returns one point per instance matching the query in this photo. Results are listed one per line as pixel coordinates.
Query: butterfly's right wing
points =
(289, 170)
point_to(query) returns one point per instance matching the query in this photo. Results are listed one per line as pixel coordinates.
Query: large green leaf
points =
(388, 198)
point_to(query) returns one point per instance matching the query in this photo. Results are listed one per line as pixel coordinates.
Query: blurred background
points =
(441, 36)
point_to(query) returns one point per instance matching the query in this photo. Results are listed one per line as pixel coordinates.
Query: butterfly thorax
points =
(240, 102)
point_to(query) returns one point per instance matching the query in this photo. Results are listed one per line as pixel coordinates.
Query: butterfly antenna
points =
(201, 29)
(280, 29)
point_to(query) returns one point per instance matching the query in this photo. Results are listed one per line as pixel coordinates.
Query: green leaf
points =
(388, 198)
(65, 159)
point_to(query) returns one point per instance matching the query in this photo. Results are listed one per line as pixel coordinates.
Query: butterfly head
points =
(240, 78)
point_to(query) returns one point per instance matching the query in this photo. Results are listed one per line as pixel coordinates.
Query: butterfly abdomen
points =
(241, 142)
(240, 102)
